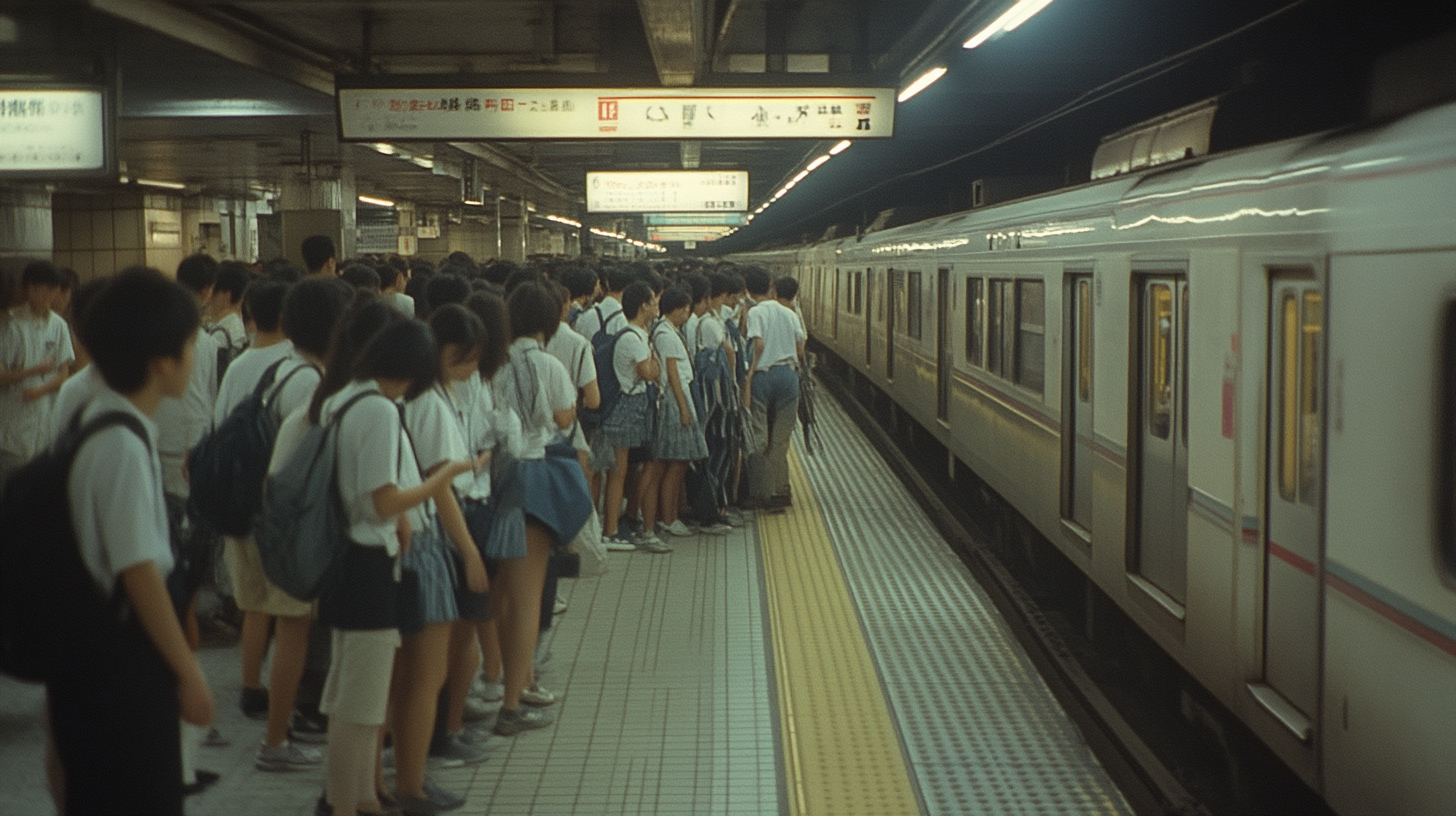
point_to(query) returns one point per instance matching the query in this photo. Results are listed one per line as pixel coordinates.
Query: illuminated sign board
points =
(685, 234)
(728, 219)
(665, 191)
(461, 114)
(52, 130)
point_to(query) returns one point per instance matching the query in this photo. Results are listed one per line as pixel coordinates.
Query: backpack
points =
(302, 530)
(50, 607)
(228, 465)
(225, 351)
(611, 389)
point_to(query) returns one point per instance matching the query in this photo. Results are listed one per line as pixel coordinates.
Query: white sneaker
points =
(676, 528)
(560, 606)
(537, 696)
(647, 542)
(490, 691)
(715, 529)
(617, 543)
(286, 757)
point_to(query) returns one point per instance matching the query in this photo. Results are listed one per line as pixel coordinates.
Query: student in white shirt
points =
(379, 485)
(609, 311)
(582, 286)
(392, 281)
(225, 308)
(626, 427)
(184, 420)
(114, 714)
(575, 352)
(772, 390)
(678, 437)
(35, 359)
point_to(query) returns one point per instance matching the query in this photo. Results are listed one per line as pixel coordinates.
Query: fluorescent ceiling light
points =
(567, 221)
(840, 148)
(803, 174)
(925, 81)
(1014, 16)
(170, 185)
(378, 202)
(424, 161)
(386, 149)
(814, 165)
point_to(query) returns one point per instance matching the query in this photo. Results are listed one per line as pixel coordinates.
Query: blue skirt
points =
(430, 560)
(556, 495)
(498, 527)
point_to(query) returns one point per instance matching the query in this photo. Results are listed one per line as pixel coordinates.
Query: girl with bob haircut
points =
(627, 426)
(554, 494)
(380, 488)
(678, 438)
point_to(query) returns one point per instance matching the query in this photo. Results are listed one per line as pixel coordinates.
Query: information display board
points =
(461, 114)
(712, 219)
(52, 130)
(667, 191)
(662, 235)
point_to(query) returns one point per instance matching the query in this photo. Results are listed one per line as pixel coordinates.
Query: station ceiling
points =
(232, 97)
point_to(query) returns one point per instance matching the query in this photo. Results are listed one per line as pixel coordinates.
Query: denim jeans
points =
(775, 411)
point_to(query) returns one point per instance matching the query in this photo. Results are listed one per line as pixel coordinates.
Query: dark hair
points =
(455, 325)
(579, 281)
(280, 269)
(197, 272)
(69, 279)
(312, 310)
(757, 279)
(40, 273)
(737, 282)
(786, 287)
(316, 251)
(356, 327)
(520, 277)
(491, 310)
(673, 299)
(402, 350)
(387, 273)
(362, 276)
(657, 282)
(636, 294)
(619, 278)
(233, 278)
(721, 283)
(497, 271)
(533, 308)
(446, 288)
(138, 317)
(80, 301)
(698, 286)
(263, 304)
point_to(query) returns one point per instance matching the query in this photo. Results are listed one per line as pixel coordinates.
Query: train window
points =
(859, 292)
(1288, 394)
(912, 305)
(1310, 408)
(1030, 334)
(975, 321)
(1446, 491)
(1160, 394)
(997, 349)
(1084, 340)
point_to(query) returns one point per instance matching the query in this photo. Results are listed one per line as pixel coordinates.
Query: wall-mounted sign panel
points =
(667, 191)
(670, 234)
(456, 114)
(726, 219)
(52, 130)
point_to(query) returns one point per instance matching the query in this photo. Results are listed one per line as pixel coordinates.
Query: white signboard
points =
(456, 114)
(663, 191)
(52, 130)
(686, 234)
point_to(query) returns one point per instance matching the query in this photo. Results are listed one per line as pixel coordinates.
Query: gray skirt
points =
(627, 425)
(430, 559)
(675, 442)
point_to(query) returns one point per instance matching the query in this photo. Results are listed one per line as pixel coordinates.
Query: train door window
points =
(1446, 492)
(998, 307)
(1160, 552)
(1031, 334)
(834, 311)
(913, 315)
(975, 321)
(894, 284)
(869, 309)
(1077, 402)
(944, 351)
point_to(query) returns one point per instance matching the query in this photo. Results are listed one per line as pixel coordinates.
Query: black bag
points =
(362, 594)
(51, 610)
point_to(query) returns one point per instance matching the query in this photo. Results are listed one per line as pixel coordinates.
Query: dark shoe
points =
(205, 780)
(254, 703)
(308, 730)
(417, 805)
(442, 799)
(509, 723)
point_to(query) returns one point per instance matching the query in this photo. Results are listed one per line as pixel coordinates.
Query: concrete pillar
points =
(525, 229)
(499, 247)
(315, 206)
(98, 235)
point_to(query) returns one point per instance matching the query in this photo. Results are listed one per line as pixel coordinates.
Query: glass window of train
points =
(997, 350)
(1084, 339)
(912, 305)
(1310, 407)
(1183, 365)
(1288, 351)
(1031, 334)
(1446, 490)
(975, 321)
(1160, 360)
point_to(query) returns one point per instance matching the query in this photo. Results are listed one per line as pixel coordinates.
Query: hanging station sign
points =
(52, 130)
(463, 114)
(712, 219)
(665, 191)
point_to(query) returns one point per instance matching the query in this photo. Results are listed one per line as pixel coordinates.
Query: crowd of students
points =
(486, 416)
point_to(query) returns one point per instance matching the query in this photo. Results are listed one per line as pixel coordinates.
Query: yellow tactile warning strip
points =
(841, 750)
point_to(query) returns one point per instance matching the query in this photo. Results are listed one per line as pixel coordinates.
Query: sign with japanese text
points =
(52, 130)
(662, 191)
(712, 219)
(385, 114)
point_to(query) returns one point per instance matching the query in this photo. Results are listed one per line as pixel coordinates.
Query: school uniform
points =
(182, 421)
(672, 440)
(25, 341)
(114, 712)
(230, 332)
(609, 310)
(243, 376)
(492, 503)
(690, 334)
(78, 389)
(574, 352)
(626, 426)
(404, 303)
(775, 407)
(435, 421)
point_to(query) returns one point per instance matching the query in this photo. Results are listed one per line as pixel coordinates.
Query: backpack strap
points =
(273, 372)
(265, 381)
(77, 434)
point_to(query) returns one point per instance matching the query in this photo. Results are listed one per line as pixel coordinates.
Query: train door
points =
(1077, 401)
(869, 316)
(1294, 461)
(835, 306)
(1161, 552)
(892, 282)
(944, 352)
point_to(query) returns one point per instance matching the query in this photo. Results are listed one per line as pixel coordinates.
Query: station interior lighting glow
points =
(1014, 16)
(803, 174)
(168, 185)
(840, 148)
(814, 165)
(567, 221)
(925, 81)
(386, 149)
(424, 161)
(378, 202)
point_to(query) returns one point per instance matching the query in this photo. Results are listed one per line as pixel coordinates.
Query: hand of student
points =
(404, 534)
(456, 468)
(32, 394)
(194, 699)
(44, 367)
(476, 579)
(685, 417)
(482, 461)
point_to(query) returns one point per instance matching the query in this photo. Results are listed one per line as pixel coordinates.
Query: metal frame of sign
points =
(108, 129)
(569, 114)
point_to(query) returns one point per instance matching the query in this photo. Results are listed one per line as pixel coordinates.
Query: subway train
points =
(1225, 389)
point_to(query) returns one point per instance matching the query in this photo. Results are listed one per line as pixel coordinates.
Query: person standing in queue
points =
(772, 389)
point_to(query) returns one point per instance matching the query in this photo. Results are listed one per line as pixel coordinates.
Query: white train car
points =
(1224, 389)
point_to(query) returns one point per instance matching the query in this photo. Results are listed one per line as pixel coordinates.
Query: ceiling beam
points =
(522, 172)
(674, 32)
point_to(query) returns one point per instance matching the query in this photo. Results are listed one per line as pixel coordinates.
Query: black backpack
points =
(50, 607)
(604, 354)
(225, 351)
(227, 467)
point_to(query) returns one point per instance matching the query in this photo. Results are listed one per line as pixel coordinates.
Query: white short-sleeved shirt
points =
(436, 421)
(25, 341)
(710, 333)
(781, 332)
(669, 345)
(181, 422)
(230, 332)
(244, 375)
(631, 350)
(404, 303)
(487, 428)
(79, 389)
(117, 511)
(298, 388)
(609, 309)
(690, 334)
(574, 352)
(529, 363)
(372, 454)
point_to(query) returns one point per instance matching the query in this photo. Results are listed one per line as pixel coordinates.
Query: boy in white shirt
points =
(772, 388)
(35, 358)
(182, 421)
(609, 311)
(225, 308)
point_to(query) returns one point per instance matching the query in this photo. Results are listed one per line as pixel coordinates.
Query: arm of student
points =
(11, 376)
(565, 417)
(153, 607)
(591, 395)
(390, 500)
(799, 347)
(453, 521)
(50, 387)
(649, 369)
(675, 381)
(403, 533)
(748, 383)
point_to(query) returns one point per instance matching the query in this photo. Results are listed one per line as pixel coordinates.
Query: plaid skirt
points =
(433, 598)
(675, 442)
(626, 427)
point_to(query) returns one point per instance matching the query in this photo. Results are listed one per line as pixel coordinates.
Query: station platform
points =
(836, 659)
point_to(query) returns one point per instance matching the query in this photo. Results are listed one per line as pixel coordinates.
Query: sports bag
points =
(51, 610)
(303, 529)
